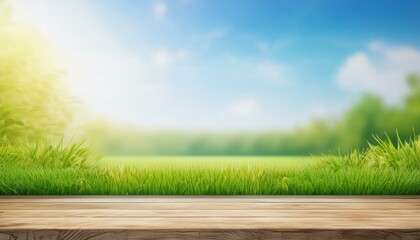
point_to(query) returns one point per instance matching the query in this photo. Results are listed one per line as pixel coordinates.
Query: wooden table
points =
(208, 217)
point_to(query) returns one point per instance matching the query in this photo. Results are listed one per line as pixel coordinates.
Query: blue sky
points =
(229, 65)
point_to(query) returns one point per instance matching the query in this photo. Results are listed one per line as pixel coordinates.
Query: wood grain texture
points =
(208, 235)
(176, 213)
(155, 218)
(210, 206)
(206, 199)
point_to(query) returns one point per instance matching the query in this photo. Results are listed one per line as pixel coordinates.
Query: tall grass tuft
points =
(57, 156)
(9, 153)
(42, 153)
(382, 155)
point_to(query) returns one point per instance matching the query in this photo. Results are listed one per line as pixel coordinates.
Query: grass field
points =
(199, 180)
(67, 170)
(280, 163)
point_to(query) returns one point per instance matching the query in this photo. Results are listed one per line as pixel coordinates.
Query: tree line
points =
(356, 128)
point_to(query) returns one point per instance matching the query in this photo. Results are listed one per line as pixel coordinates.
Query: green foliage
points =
(385, 154)
(9, 154)
(42, 153)
(33, 102)
(57, 156)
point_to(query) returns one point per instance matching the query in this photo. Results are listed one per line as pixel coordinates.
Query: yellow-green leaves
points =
(33, 102)
(285, 184)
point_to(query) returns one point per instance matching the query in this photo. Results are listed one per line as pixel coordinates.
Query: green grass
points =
(209, 161)
(42, 153)
(383, 169)
(222, 181)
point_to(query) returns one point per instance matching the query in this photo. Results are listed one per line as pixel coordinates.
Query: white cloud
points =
(185, 2)
(262, 46)
(243, 108)
(255, 69)
(208, 36)
(160, 58)
(163, 57)
(160, 9)
(381, 70)
(270, 72)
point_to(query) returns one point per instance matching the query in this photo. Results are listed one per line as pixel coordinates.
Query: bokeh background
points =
(204, 77)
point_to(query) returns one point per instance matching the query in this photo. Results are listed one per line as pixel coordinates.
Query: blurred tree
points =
(33, 101)
(371, 117)
(361, 121)
(413, 100)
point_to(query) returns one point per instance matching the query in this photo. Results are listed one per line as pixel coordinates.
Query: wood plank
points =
(210, 199)
(198, 223)
(209, 206)
(238, 217)
(187, 213)
(344, 234)
(208, 235)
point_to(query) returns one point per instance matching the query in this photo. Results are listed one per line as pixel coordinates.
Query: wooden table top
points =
(210, 212)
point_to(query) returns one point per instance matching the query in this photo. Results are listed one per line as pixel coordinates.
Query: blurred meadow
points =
(209, 97)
